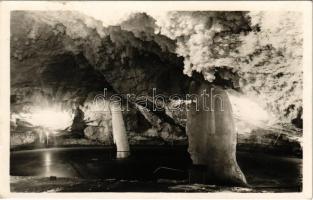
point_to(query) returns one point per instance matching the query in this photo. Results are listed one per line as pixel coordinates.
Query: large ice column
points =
(119, 131)
(212, 136)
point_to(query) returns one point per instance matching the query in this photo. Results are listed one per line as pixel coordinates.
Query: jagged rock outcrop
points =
(69, 58)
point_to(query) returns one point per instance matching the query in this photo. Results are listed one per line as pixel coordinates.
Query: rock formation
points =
(66, 58)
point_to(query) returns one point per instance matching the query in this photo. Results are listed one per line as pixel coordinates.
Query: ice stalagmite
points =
(212, 136)
(119, 131)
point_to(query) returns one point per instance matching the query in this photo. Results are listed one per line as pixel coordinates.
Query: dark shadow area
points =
(150, 164)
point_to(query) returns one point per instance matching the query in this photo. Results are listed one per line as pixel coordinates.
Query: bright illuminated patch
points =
(249, 111)
(53, 118)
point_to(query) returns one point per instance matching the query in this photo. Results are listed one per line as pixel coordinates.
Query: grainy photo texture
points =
(164, 101)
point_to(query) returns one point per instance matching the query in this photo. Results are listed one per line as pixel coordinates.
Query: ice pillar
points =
(212, 136)
(119, 131)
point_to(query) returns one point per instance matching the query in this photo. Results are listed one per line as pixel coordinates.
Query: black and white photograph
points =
(131, 100)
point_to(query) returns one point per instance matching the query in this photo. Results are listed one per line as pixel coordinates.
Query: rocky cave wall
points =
(69, 58)
(53, 62)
